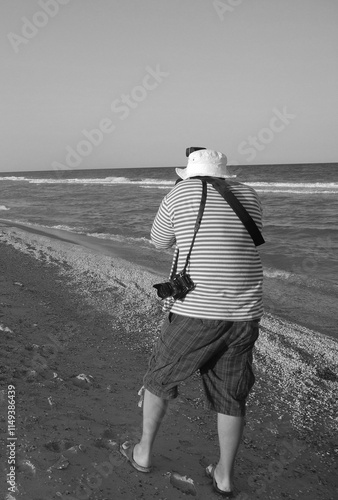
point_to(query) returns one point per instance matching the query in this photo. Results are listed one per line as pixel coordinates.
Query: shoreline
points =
(106, 247)
(289, 298)
(100, 315)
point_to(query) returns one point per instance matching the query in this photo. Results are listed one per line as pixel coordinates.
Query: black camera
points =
(190, 150)
(177, 287)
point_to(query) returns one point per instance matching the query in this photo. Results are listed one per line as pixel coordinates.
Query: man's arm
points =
(162, 232)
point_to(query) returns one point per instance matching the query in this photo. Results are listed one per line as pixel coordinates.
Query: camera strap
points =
(197, 223)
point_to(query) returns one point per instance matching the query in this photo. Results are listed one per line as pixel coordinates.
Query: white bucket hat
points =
(205, 162)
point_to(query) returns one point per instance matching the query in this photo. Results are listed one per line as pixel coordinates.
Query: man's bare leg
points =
(230, 430)
(154, 409)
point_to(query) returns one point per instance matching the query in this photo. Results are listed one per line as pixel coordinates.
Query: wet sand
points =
(68, 309)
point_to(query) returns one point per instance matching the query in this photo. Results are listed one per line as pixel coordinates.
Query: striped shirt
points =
(224, 265)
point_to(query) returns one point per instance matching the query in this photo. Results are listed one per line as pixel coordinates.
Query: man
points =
(214, 327)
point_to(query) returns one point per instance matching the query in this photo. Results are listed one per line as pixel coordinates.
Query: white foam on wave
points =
(3, 207)
(128, 241)
(300, 280)
(62, 227)
(295, 187)
(84, 231)
(141, 241)
(13, 178)
(100, 181)
(333, 185)
(157, 187)
(276, 273)
(106, 180)
(102, 236)
(295, 191)
(121, 238)
(148, 183)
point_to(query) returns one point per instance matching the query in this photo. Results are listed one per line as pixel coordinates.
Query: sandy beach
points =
(77, 325)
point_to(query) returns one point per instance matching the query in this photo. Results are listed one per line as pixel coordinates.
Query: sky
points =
(132, 83)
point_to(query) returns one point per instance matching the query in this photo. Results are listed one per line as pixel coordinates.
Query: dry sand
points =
(66, 311)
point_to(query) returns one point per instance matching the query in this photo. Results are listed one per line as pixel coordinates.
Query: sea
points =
(300, 205)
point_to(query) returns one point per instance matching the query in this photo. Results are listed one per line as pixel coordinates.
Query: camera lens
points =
(192, 149)
(164, 290)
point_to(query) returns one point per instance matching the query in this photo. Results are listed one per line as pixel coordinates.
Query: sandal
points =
(210, 472)
(127, 450)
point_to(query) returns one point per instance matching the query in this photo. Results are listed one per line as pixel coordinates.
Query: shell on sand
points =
(183, 483)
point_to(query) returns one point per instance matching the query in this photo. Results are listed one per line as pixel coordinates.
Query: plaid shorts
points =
(221, 350)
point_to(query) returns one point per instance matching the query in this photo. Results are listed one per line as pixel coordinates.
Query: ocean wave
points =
(157, 187)
(319, 230)
(295, 187)
(285, 191)
(121, 238)
(41, 227)
(301, 280)
(3, 207)
(62, 227)
(140, 241)
(85, 232)
(13, 178)
(277, 273)
(100, 181)
(333, 185)
(147, 183)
